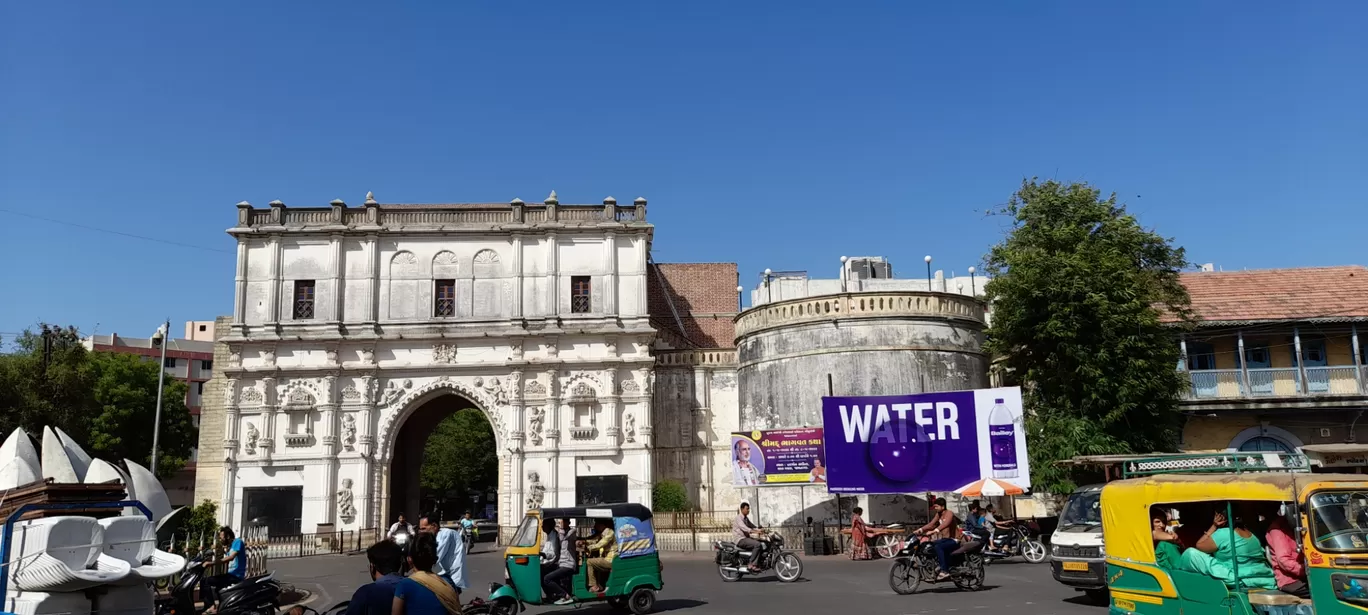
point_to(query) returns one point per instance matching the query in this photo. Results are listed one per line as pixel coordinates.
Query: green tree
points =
(1078, 289)
(460, 454)
(35, 393)
(105, 401)
(669, 496)
(125, 394)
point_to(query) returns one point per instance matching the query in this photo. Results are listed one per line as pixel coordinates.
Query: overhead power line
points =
(113, 232)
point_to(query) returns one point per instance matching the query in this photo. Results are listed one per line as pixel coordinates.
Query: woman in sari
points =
(1227, 547)
(1167, 554)
(859, 535)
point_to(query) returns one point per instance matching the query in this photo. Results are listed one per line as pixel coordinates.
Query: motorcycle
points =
(259, 595)
(732, 561)
(402, 539)
(1017, 540)
(916, 563)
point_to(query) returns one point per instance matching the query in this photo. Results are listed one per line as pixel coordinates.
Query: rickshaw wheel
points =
(903, 576)
(641, 601)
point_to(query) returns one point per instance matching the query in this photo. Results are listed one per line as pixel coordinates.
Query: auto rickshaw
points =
(1327, 513)
(631, 584)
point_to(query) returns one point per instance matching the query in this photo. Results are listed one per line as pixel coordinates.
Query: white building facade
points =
(350, 323)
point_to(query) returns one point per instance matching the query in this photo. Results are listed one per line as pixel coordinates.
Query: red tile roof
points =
(704, 296)
(1316, 293)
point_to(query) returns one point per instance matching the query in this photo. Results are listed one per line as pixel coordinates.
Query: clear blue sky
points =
(778, 135)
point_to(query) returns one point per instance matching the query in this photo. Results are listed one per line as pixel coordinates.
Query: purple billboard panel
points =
(777, 457)
(926, 442)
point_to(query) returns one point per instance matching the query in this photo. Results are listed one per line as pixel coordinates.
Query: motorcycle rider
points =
(975, 524)
(400, 526)
(747, 536)
(943, 534)
(468, 529)
(992, 525)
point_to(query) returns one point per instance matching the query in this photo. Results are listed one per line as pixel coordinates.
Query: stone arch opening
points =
(404, 444)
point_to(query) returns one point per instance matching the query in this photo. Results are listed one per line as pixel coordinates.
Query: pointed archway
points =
(403, 432)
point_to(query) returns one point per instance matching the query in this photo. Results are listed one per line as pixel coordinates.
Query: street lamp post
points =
(769, 290)
(740, 302)
(928, 273)
(844, 277)
(161, 338)
(973, 290)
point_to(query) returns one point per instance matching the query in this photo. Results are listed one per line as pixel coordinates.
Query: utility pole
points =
(162, 337)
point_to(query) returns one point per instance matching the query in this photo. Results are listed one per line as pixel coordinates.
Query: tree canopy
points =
(1079, 289)
(105, 401)
(460, 455)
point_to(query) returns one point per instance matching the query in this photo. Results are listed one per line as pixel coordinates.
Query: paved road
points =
(692, 587)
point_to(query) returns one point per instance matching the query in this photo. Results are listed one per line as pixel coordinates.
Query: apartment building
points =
(1276, 363)
(189, 360)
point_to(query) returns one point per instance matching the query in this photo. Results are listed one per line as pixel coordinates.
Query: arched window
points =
(1265, 444)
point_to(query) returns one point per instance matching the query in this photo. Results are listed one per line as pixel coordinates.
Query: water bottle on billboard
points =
(1002, 439)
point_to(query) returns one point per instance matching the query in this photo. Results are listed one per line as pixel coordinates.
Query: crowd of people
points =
(436, 567)
(1231, 551)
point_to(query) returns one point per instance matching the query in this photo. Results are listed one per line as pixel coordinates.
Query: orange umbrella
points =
(989, 487)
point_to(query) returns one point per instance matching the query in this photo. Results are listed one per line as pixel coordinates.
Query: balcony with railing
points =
(1276, 382)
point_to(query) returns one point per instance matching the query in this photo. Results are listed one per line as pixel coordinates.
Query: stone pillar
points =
(640, 243)
(240, 287)
(370, 251)
(517, 265)
(337, 279)
(273, 293)
(328, 434)
(230, 452)
(610, 274)
(269, 406)
(552, 275)
(608, 400)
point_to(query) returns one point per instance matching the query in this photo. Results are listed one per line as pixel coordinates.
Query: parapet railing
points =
(883, 304)
(373, 214)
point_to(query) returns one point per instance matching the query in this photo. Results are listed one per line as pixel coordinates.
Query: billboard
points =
(777, 457)
(925, 442)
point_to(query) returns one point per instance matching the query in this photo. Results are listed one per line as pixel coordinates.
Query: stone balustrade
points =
(719, 357)
(843, 306)
(338, 216)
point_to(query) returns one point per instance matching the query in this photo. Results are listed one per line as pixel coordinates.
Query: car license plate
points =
(1076, 566)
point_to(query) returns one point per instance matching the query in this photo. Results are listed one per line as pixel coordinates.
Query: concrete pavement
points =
(692, 587)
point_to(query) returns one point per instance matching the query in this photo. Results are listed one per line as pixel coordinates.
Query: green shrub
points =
(669, 496)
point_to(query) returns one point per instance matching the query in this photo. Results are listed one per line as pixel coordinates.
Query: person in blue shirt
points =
(451, 551)
(377, 597)
(235, 558)
(423, 592)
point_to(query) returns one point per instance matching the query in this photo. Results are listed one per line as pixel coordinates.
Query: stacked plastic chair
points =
(54, 561)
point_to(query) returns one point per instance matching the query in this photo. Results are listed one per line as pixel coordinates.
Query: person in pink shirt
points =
(1289, 568)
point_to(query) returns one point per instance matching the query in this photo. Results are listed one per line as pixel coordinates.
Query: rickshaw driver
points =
(603, 564)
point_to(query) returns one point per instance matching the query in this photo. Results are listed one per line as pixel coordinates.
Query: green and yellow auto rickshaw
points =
(631, 585)
(1327, 515)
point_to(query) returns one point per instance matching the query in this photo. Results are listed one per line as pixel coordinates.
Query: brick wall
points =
(703, 294)
(209, 470)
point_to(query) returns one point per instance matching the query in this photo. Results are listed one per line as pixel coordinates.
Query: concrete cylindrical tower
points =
(869, 343)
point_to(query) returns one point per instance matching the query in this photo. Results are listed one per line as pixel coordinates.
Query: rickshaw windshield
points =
(1339, 520)
(1083, 509)
(526, 535)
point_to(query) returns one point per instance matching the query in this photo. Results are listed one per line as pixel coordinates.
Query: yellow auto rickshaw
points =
(1327, 515)
(630, 585)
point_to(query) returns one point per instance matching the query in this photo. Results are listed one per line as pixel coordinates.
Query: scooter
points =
(402, 539)
(259, 595)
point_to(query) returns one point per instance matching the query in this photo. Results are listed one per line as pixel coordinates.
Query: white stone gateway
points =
(356, 329)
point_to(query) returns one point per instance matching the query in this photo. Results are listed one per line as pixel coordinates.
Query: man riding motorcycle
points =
(943, 534)
(747, 536)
